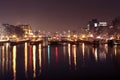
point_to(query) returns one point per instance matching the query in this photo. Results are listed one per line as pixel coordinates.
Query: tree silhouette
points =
(10, 30)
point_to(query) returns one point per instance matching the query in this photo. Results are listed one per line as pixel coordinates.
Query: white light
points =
(98, 37)
(91, 35)
(102, 23)
(111, 38)
(95, 24)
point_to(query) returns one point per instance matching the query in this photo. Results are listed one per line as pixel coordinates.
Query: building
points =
(99, 29)
(26, 28)
(96, 25)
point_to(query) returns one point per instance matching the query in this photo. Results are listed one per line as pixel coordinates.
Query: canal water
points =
(59, 62)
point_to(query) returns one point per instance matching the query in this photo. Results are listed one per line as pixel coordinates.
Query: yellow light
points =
(14, 62)
(74, 52)
(25, 49)
(68, 36)
(14, 36)
(40, 58)
(30, 33)
(25, 36)
(111, 38)
(83, 36)
(34, 36)
(83, 49)
(29, 30)
(33, 39)
(26, 32)
(34, 60)
(40, 36)
(115, 49)
(75, 36)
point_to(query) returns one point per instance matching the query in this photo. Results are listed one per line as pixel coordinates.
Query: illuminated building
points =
(10, 30)
(26, 28)
(98, 29)
(94, 23)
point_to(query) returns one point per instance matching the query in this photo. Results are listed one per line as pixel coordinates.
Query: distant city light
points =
(95, 24)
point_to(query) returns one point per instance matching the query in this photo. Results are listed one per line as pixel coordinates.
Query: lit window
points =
(95, 24)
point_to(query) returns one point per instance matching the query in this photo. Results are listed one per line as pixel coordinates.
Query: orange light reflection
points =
(14, 62)
(40, 58)
(83, 49)
(34, 61)
(74, 54)
(26, 57)
(7, 46)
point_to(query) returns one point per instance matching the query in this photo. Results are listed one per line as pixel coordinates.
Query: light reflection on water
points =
(7, 46)
(83, 49)
(74, 54)
(3, 60)
(56, 54)
(115, 50)
(14, 62)
(48, 54)
(69, 54)
(40, 58)
(96, 54)
(36, 59)
(26, 58)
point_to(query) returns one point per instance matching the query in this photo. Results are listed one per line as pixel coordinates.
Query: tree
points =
(10, 30)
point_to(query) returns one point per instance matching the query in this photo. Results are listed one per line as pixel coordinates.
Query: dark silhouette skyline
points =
(57, 15)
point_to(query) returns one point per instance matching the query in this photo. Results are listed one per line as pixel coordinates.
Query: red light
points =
(31, 57)
(56, 52)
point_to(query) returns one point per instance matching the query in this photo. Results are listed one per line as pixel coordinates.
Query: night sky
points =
(54, 15)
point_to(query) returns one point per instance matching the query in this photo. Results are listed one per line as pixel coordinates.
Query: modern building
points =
(94, 24)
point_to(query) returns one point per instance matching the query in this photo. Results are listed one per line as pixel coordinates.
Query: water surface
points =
(65, 62)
